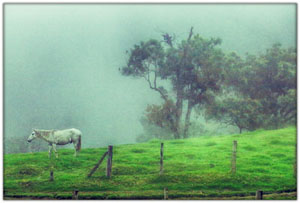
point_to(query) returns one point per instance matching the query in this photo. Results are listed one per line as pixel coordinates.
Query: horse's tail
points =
(78, 146)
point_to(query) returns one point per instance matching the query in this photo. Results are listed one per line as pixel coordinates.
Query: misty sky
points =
(61, 61)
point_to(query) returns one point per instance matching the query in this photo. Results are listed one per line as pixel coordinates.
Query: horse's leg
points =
(54, 148)
(75, 148)
(50, 149)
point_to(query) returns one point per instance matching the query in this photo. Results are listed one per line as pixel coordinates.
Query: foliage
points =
(193, 68)
(162, 115)
(260, 91)
(243, 113)
(194, 168)
(271, 79)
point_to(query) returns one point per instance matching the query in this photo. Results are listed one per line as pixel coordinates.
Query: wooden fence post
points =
(165, 193)
(75, 194)
(259, 195)
(97, 165)
(51, 174)
(51, 167)
(233, 161)
(109, 161)
(161, 158)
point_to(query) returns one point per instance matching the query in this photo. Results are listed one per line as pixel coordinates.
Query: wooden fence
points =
(109, 154)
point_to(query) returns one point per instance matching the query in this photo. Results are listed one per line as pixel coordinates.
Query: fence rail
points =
(109, 153)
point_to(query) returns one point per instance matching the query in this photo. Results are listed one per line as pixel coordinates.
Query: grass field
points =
(195, 168)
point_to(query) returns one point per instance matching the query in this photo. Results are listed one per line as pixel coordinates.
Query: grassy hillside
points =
(194, 168)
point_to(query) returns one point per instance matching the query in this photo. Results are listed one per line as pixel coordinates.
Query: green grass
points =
(194, 168)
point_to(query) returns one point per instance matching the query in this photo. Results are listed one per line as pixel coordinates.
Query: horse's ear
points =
(33, 130)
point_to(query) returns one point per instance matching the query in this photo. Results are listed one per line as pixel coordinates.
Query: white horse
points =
(58, 137)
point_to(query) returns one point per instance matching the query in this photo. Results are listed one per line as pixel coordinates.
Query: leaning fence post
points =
(233, 161)
(97, 165)
(161, 158)
(109, 161)
(166, 193)
(75, 194)
(259, 195)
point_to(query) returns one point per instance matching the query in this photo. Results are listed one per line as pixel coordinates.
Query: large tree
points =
(192, 67)
(271, 79)
(240, 112)
(262, 90)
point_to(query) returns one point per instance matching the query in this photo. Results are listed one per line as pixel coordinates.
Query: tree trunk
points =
(178, 118)
(179, 89)
(187, 120)
(241, 130)
(179, 102)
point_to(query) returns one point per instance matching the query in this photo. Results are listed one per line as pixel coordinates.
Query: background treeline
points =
(196, 75)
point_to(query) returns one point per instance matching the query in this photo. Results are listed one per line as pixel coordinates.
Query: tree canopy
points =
(248, 92)
(193, 67)
(263, 90)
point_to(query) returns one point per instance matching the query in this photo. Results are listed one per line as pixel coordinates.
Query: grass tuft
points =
(210, 144)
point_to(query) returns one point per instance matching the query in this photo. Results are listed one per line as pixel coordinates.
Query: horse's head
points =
(32, 136)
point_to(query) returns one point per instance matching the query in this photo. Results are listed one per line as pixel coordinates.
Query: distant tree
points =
(272, 81)
(263, 87)
(192, 67)
(15, 145)
(203, 76)
(163, 116)
(19, 144)
(242, 113)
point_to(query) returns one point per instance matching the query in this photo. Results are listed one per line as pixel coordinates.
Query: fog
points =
(61, 61)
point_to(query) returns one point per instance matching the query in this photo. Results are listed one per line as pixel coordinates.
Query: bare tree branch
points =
(147, 78)
(155, 79)
(191, 33)
(186, 47)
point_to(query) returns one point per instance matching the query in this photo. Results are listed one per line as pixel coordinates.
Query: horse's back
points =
(75, 131)
(71, 131)
(67, 135)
